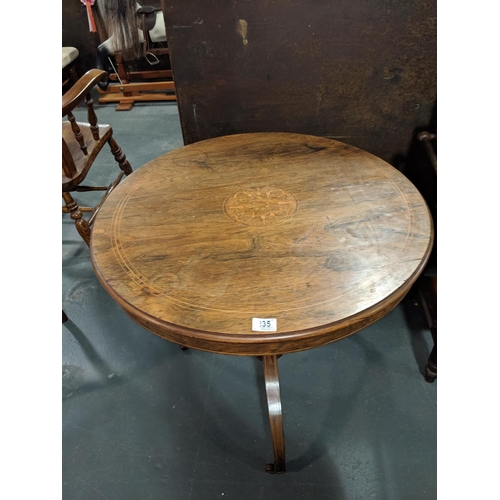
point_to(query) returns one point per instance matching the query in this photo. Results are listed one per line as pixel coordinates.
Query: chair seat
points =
(69, 54)
(82, 162)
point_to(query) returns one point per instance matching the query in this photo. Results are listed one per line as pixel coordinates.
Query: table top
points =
(314, 236)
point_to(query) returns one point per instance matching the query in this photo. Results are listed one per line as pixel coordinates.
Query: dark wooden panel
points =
(362, 71)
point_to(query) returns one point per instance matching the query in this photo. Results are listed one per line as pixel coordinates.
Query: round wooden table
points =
(260, 245)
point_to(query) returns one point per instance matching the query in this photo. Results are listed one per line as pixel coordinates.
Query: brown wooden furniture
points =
(133, 86)
(81, 143)
(261, 245)
(143, 85)
(428, 284)
(364, 73)
(428, 297)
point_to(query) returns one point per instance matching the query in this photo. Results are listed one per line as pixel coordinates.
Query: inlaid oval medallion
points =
(260, 206)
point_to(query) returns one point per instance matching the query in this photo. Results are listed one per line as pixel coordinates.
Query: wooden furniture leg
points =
(270, 364)
(428, 297)
(431, 368)
(82, 226)
(119, 156)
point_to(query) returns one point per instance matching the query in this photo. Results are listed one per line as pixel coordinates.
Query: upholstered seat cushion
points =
(69, 54)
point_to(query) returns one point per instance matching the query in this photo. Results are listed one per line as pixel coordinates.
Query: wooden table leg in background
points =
(428, 297)
(431, 368)
(270, 364)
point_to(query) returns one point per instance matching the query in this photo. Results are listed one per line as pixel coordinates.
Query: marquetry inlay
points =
(260, 206)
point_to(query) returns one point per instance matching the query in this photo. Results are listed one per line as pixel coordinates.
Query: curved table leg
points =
(270, 364)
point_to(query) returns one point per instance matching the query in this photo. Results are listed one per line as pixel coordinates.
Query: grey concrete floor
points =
(144, 420)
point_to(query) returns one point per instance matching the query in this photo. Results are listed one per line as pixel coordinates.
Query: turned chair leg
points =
(82, 226)
(119, 156)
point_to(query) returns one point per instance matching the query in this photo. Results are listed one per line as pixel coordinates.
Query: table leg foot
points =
(270, 468)
(430, 373)
(271, 378)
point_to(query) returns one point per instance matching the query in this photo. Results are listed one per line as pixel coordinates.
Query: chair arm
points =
(75, 94)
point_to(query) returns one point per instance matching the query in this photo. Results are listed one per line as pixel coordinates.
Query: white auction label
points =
(264, 324)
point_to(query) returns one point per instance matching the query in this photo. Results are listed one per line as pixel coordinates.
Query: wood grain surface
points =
(321, 236)
(362, 72)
